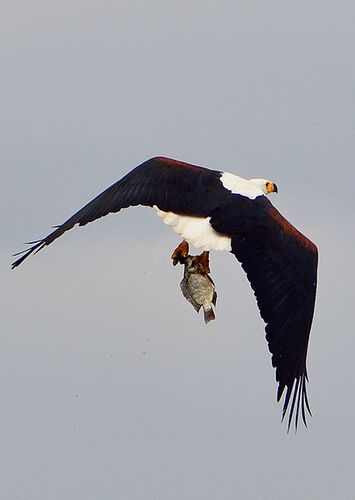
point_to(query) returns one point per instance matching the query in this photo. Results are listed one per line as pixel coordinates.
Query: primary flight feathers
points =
(214, 210)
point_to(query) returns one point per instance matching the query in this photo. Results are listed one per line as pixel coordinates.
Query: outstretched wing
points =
(281, 265)
(169, 184)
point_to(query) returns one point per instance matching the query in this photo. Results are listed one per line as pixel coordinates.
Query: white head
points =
(251, 188)
(266, 186)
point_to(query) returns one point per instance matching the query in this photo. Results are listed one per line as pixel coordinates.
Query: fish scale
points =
(198, 288)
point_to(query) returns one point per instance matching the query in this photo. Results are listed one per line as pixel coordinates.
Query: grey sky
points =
(111, 386)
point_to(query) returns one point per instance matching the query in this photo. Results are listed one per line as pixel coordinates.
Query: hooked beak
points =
(271, 187)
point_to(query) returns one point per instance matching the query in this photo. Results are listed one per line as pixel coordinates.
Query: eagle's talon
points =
(180, 253)
(204, 260)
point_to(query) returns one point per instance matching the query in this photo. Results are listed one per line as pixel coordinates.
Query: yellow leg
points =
(204, 261)
(180, 253)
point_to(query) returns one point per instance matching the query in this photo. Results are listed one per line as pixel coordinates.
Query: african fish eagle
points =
(215, 210)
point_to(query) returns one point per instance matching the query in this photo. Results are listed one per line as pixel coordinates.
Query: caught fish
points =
(197, 287)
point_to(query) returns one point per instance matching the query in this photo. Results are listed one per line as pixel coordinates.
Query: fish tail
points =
(209, 315)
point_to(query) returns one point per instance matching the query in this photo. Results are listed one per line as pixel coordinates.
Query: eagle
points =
(215, 210)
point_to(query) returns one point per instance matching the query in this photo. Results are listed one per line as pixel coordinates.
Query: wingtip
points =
(37, 246)
(299, 403)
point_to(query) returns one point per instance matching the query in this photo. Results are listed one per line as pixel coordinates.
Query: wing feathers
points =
(169, 184)
(281, 265)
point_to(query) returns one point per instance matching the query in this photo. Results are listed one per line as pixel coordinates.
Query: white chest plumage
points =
(197, 231)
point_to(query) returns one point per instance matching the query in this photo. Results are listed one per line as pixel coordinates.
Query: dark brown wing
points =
(281, 265)
(169, 184)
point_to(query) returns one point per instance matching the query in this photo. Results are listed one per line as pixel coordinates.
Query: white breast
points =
(197, 231)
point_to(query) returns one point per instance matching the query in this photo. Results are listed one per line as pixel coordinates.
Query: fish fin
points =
(209, 315)
(197, 306)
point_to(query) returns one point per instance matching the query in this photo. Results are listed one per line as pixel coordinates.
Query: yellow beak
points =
(271, 187)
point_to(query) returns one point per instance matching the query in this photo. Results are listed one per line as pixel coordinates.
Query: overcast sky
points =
(111, 386)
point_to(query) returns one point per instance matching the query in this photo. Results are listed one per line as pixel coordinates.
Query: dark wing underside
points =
(169, 184)
(281, 265)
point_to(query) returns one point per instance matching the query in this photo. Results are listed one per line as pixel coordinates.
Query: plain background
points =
(111, 386)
